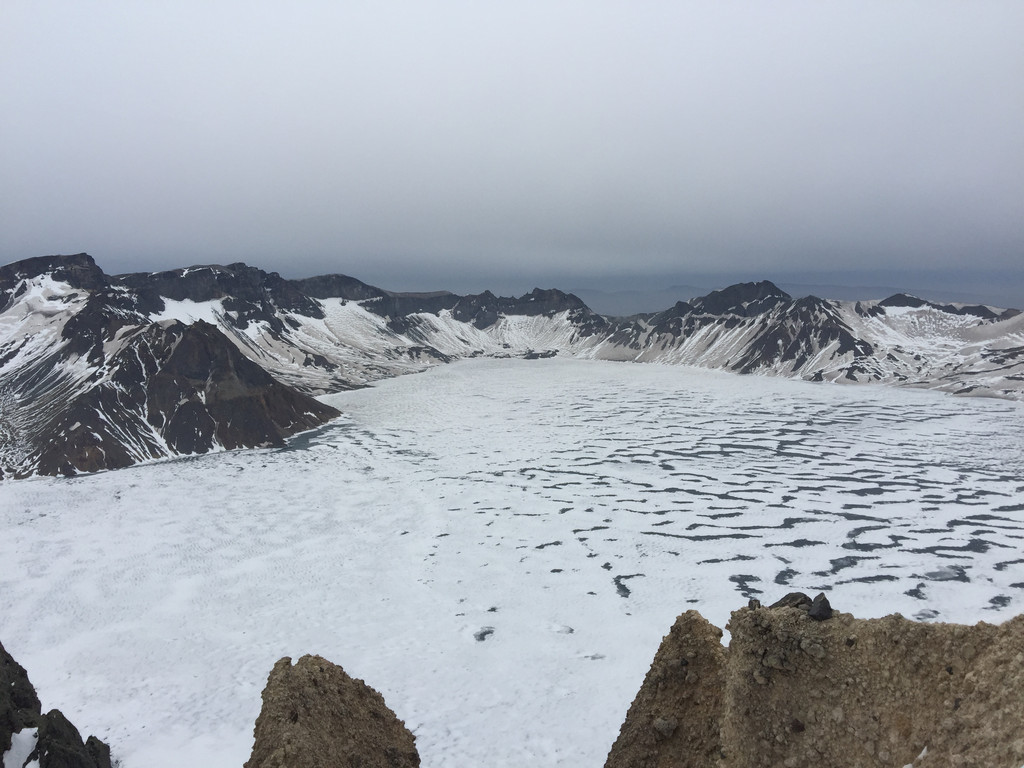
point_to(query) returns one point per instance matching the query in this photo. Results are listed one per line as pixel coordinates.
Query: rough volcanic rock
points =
(913, 302)
(873, 692)
(796, 692)
(398, 305)
(77, 270)
(19, 705)
(821, 609)
(315, 716)
(481, 310)
(674, 720)
(248, 294)
(58, 743)
(746, 299)
(337, 286)
(228, 396)
(178, 389)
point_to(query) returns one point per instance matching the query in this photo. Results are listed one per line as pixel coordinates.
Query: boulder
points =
(315, 716)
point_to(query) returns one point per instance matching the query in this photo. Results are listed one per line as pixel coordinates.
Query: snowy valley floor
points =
(498, 547)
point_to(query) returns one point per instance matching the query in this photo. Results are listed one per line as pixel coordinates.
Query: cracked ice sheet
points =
(498, 547)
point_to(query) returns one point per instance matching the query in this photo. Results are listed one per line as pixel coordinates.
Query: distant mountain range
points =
(100, 371)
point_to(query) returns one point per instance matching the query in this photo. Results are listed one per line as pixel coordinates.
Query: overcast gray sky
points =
(420, 144)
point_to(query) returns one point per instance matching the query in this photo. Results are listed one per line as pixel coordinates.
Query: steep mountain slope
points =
(758, 328)
(101, 372)
(88, 381)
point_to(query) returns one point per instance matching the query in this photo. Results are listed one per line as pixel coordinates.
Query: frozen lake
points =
(498, 547)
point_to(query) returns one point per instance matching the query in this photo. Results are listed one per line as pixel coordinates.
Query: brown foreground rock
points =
(837, 692)
(315, 716)
(674, 722)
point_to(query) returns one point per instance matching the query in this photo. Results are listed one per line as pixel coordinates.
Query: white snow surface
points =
(188, 311)
(563, 511)
(22, 744)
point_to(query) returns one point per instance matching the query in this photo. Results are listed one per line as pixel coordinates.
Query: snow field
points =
(498, 547)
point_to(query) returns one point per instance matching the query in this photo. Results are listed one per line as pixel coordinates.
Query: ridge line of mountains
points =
(105, 371)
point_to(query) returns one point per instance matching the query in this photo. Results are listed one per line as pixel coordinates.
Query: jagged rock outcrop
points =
(804, 686)
(315, 716)
(674, 719)
(27, 735)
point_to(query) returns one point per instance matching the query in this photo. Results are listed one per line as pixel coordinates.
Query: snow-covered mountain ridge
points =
(101, 371)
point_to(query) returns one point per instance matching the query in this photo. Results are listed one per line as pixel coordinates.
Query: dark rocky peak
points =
(198, 283)
(337, 287)
(745, 299)
(249, 293)
(78, 270)
(676, 310)
(979, 310)
(484, 309)
(481, 309)
(539, 302)
(868, 310)
(975, 310)
(903, 300)
(809, 306)
(398, 305)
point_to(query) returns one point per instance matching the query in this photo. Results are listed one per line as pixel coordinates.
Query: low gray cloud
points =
(438, 142)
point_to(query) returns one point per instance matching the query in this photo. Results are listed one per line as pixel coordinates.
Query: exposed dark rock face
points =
(78, 271)
(58, 743)
(315, 716)
(398, 305)
(801, 693)
(183, 388)
(19, 705)
(481, 310)
(113, 388)
(777, 330)
(248, 294)
(744, 299)
(905, 300)
(337, 286)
